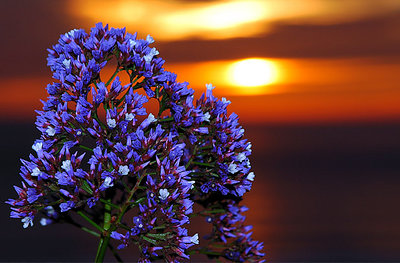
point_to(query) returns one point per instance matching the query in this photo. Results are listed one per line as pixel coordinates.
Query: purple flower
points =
(64, 178)
(33, 195)
(99, 145)
(91, 202)
(67, 206)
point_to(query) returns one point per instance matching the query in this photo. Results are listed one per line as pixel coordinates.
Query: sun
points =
(253, 72)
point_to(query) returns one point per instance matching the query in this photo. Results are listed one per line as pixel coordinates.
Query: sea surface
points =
(322, 193)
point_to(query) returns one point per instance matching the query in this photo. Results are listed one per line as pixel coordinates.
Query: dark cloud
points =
(372, 37)
(27, 29)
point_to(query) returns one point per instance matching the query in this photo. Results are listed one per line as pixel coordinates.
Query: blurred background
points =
(316, 84)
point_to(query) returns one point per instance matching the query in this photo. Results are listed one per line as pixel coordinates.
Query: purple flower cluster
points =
(221, 172)
(99, 150)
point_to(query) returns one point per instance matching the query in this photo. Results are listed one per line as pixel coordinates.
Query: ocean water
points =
(322, 193)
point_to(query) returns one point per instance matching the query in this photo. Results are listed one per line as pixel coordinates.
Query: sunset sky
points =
(324, 60)
(316, 84)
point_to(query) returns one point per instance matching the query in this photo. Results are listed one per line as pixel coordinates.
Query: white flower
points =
(71, 33)
(111, 123)
(206, 117)
(35, 172)
(241, 157)
(50, 211)
(192, 184)
(108, 182)
(27, 221)
(132, 43)
(44, 221)
(66, 165)
(225, 101)
(210, 86)
(149, 39)
(163, 194)
(195, 239)
(151, 118)
(37, 146)
(250, 176)
(67, 63)
(50, 131)
(248, 148)
(153, 52)
(123, 169)
(232, 168)
(148, 121)
(129, 116)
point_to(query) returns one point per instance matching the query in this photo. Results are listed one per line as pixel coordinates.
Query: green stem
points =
(90, 221)
(191, 158)
(203, 251)
(166, 119)
(137, 85)
(105, 237)
(189, 163)
(94, 113)
(107, 202)
(128, 201)
(125, 186)
(113, 76)
(101, 250)
(103, 244)
(159, 227)
(117, 257)
(124, 226)
(122, 99)
(94, 233)
(215, 211)
(86, 148)
(205, 147)
(90, 231)
(204, 164)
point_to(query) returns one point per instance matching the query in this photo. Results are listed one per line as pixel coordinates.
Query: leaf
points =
(150, 240)
(107, 202)
(86, 187)
(136, 202)
(216, 211)
(161, 236)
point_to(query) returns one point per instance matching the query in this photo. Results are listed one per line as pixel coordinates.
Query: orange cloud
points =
(171, 20)
(307, 90)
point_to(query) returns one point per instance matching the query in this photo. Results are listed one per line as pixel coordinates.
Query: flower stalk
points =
(105, 237)
(134, 176)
